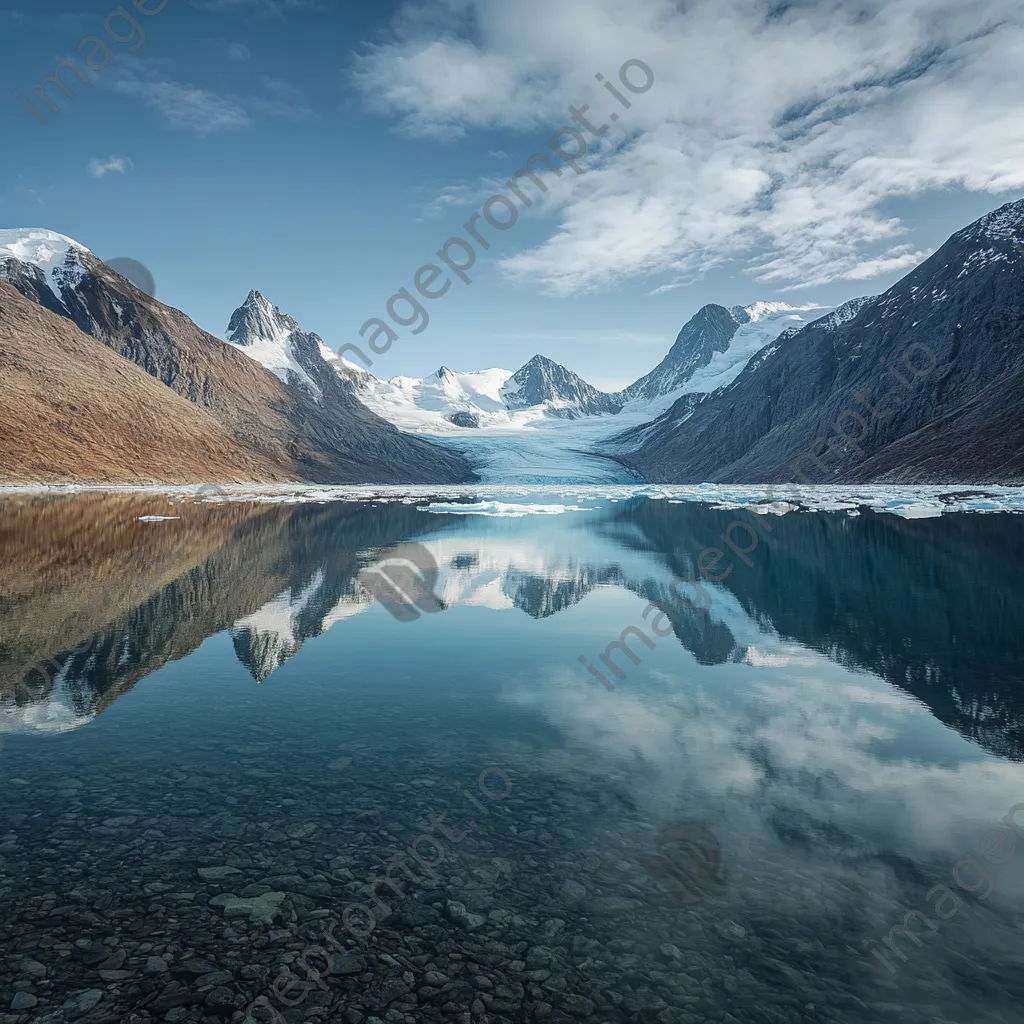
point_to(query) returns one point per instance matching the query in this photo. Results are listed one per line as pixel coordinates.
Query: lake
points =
(608, 754)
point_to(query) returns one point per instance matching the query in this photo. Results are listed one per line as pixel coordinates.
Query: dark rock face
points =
(257, 318)
(923, 381)
(465, 419)
(708, 332)
(321, 433)
(542, 381)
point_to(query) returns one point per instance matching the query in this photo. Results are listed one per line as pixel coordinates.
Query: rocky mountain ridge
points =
(319, 431)
(715, 345)
(919, 384)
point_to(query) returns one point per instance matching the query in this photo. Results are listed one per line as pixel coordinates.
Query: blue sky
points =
(322, 152)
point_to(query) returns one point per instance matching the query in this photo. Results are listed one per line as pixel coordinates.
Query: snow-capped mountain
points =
(740, 394)
(954, 326)
(494, 398)
(715, 345)
(275, 632)
(48, 259)
(562, 393)
(440, 402)
(276, 341)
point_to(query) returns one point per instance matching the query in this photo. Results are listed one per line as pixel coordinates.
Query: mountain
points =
(73, 410)
(312, 427)
(277, 342)
(481, 398)
(275, 632)
(544, 383)
(924, 381)
(444, 399)
(716, 344)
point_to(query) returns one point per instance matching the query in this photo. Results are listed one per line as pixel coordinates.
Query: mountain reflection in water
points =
(932, 606)
(772, 787)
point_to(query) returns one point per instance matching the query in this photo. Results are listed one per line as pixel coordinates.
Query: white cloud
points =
(775, 133)
(101, 168)
(183, 106)
(190, 108)
(239, 52)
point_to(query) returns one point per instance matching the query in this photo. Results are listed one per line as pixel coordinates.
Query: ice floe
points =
(906, 501)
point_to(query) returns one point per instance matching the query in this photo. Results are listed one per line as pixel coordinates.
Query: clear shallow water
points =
(245, 740)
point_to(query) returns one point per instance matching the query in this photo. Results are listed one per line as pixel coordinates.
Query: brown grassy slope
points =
(71, 409)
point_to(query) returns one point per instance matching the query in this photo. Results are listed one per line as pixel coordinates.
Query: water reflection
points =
(779, 777)
(931, 606)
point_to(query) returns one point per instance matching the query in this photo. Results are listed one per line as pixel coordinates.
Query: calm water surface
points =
(217, 746)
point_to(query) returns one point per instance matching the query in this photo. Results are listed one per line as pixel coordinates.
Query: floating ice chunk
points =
(913, 509)
(501, 509)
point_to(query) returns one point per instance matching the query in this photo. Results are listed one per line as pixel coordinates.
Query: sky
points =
(808, 151)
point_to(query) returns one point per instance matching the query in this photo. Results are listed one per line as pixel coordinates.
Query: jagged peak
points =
(256, 298)
(539, 360)
(276, 341)
(259, 319)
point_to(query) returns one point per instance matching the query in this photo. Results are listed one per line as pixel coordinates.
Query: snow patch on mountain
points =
(846, 312)
(1004, 224)
(758, 311)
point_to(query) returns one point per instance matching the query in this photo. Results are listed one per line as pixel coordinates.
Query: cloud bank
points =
(776, 134)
